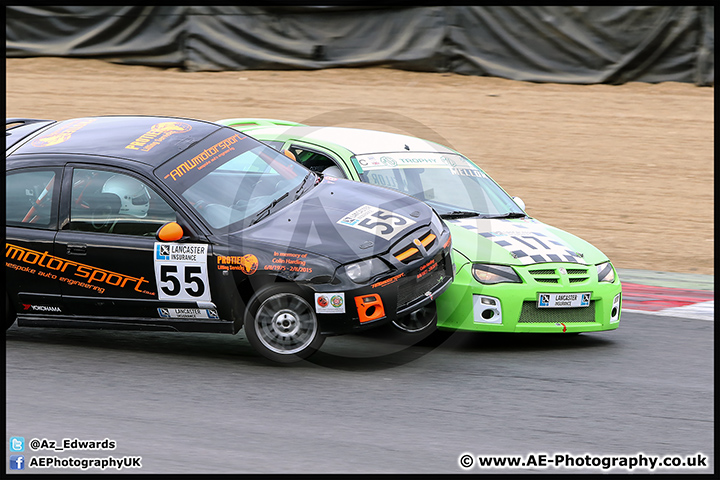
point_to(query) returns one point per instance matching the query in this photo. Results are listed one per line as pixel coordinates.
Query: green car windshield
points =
(233, 181)
(450, 183)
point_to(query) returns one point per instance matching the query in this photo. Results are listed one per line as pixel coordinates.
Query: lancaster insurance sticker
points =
(181, 271)
(188, 313)
(563, 300)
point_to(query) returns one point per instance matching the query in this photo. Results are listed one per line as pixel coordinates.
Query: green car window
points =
(448, 182)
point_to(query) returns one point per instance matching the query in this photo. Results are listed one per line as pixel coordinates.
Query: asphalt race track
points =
(201, 403)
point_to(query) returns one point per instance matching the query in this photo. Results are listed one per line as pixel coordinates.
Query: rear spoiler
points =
(17, 122)
(243, 124)
(17, 129)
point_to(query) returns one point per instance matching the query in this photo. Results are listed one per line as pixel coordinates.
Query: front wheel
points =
(417, 325)
(282, 326)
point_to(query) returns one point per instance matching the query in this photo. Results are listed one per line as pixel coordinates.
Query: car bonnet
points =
(343, 220)
(522, 241)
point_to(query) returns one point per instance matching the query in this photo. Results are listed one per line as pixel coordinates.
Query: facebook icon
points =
(17, 462)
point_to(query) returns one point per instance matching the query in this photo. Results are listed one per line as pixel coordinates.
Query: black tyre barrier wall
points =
(580, 45)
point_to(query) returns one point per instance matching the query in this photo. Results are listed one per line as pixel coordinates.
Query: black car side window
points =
(31, 198)
(110, 202)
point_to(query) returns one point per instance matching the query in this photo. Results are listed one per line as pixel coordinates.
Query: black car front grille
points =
(418, 283)
(409, 253)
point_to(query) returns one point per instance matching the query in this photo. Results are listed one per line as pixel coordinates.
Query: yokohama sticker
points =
(382, 223)
(181, 271)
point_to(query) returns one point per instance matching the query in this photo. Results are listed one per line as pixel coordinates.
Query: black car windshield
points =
(232, 180)
(450, 183)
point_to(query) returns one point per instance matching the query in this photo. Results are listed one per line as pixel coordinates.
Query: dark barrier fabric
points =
(134, 35)
(575, 44)
(580, 45)
(239, 38)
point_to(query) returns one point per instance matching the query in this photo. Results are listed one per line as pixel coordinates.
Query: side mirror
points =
(519, 203)
(289, 154)
(170, 232)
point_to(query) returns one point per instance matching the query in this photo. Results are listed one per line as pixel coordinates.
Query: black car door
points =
(31, 214)
(117, 270)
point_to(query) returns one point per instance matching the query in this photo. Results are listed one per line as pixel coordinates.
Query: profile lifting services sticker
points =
(181, 271)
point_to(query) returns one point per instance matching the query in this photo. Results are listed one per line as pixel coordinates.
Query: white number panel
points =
(382, 223)
(181, 272)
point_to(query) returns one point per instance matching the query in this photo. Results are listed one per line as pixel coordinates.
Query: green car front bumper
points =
(514, 307)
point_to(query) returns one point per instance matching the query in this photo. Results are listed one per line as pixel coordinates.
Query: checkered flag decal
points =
(527, 241)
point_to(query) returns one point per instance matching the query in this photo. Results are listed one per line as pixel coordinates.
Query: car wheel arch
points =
(263, 323)
(10, 312)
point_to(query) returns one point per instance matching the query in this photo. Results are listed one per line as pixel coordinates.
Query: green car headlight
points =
(605, 272)
(491, 274)
(361, 272)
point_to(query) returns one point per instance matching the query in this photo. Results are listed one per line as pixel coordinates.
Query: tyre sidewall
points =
(10, 314)
(251, 329)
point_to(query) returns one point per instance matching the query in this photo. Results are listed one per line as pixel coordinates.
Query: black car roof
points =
(151, 140)
(18, 128)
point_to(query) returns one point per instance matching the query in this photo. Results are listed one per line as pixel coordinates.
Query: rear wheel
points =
(282, 326)
(9, 312)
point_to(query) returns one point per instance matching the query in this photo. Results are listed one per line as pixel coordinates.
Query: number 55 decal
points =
(383, 223)
(181, 272)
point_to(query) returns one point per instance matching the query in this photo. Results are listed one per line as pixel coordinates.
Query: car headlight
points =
(605, 272)
(361, 272)
(491, 274)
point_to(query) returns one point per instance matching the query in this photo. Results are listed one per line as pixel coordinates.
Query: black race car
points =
(163, 223)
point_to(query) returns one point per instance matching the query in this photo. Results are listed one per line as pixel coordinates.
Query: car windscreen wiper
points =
(507, 215)
(300, 190)
(459, 214)
(262, 213)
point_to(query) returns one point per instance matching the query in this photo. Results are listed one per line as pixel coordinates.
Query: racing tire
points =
(10, 314)
(417, 325)
(282, 326)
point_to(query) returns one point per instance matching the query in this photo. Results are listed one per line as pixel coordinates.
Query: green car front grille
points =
(551, 275)
(532, 314)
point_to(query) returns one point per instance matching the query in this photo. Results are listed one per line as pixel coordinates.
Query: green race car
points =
(513, 272)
